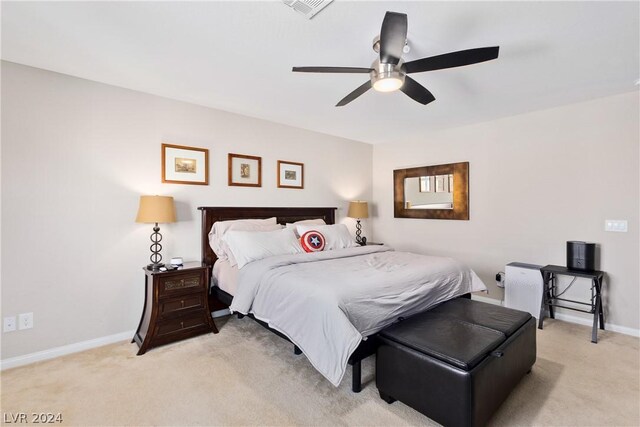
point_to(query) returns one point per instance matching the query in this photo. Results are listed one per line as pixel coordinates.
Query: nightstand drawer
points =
(180, 304)
(173, 285)
(182, 324)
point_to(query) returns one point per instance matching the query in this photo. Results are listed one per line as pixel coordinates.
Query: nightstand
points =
(175, 306)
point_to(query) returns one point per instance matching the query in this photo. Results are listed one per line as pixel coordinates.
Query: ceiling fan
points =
(389, 72)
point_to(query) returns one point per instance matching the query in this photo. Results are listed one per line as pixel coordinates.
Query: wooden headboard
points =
(284, 215)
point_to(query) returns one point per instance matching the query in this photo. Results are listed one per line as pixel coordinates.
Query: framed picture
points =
(290, 174)
(245, 171)
(185, 165)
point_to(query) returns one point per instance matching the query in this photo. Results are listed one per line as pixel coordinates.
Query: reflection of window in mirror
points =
(450, 183)
(425, 184)
(440, 182)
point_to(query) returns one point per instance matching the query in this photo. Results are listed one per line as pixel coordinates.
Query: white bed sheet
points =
(225, 276)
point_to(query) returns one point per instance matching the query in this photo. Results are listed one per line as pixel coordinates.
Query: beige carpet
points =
(247, 376)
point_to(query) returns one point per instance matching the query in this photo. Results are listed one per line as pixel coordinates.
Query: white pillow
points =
(318, 221)
(220, 228)
(335, 236)
(259, 229)
(248, 246)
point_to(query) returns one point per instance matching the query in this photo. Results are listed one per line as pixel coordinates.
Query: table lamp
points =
(358, 210)
(156, 210)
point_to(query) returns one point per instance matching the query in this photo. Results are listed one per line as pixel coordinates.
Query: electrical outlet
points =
(9, 324)
(25, 321)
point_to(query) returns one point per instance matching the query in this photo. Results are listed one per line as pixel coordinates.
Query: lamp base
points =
(359, 233)
(155, 267)
(155, 247)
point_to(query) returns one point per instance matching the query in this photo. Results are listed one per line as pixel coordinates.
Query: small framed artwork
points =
(290, 174)
(185, 165)
(245, 171)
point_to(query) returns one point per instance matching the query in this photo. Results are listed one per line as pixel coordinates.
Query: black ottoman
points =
(458, 362)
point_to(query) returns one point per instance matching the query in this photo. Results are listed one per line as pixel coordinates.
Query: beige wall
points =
(536, 181)
(76, 155)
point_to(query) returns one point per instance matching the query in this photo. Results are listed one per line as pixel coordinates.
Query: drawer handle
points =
(497, 354)
(181, 325)
(182, 302)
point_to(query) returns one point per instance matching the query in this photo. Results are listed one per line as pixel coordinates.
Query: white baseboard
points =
(486, 299)
(572, 319)
(589, 322)
(39, 356)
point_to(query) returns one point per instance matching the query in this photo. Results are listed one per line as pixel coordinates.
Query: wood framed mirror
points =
(432, 192)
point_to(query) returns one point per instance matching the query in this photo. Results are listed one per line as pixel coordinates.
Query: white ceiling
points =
(237, 56)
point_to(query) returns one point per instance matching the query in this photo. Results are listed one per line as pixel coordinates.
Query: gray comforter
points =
(327, 302)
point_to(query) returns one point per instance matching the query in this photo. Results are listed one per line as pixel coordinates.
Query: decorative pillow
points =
(248, 246)
(312, 241)
(318, 221)
(220, 228)
(335, 236)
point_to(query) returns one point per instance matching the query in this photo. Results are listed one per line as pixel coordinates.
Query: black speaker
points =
(581, 255)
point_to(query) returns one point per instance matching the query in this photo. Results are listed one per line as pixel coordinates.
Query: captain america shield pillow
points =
(312, 241)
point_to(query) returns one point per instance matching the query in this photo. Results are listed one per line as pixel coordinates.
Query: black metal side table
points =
(551, 299)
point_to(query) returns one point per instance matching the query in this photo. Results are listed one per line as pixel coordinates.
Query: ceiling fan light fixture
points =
(386, 77)
(388, 84)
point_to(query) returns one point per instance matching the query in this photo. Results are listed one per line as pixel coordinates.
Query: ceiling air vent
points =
(308, 8)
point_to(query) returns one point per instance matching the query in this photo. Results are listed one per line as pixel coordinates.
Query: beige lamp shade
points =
(156, 209)
(358, 209)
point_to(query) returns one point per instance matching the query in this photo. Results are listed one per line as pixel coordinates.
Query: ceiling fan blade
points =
(356, 93)
(393, 36)
(331, 70)
(416, 91)
(452, 59)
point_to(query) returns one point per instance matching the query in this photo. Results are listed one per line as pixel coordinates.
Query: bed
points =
(326, 331)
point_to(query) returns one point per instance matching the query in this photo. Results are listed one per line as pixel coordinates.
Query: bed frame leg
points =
(356, 380)
(296, 350)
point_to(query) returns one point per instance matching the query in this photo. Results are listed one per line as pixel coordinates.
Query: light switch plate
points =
(616, 225)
